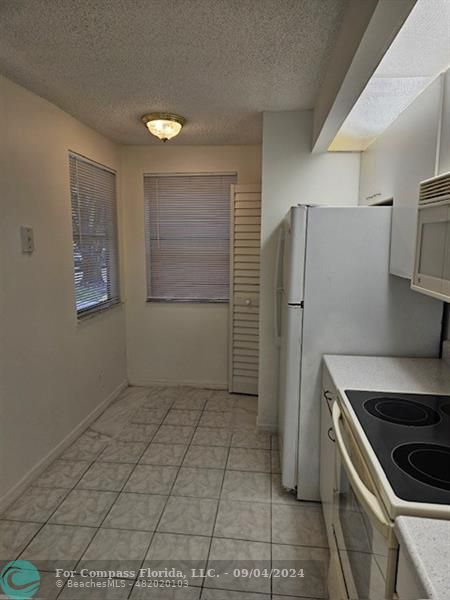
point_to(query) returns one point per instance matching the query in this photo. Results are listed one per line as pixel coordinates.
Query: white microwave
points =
(432, 260)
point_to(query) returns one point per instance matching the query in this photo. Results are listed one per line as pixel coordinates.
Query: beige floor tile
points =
(14, 536)
(200, 483)
(182, 417)
(149, 416)
(216, 419)
(276, 461)
(36, 504)
(227, 555)
(122, 452)
(108, 589)
(229, 595)
(243, 419)
(212, 436)
(246, 486)
(221, 402)
(164, 454)
(135, 511)
(311, 564)
(163, 593)
(62, 474)
(245, 459)
(300, 525)
(106, 476)
(180, 552)
(137, 432)
(84, 507)
(116, 550)
(189, 403)
(151, 479)
(251, 439)
(209, 457)
(173, 434)
(192, 516)
(280, 495)
(58, 545)
(243, 520)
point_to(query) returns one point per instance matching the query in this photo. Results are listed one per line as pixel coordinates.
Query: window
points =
(94, 223)
(187, 221)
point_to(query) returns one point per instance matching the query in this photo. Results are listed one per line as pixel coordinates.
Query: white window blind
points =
(187, 222)
(94, 223)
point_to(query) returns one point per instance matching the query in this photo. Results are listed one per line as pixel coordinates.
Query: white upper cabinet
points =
(396, 163)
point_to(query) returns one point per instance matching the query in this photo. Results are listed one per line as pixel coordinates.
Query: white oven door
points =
(364, 536)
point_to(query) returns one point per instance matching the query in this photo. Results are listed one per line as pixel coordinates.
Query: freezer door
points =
(294, 254)
(289, 393)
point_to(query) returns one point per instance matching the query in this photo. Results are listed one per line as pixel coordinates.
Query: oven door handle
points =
(369, 501)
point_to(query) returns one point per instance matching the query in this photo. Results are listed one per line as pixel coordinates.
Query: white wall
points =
(54, 371)
(175, 343)
(395, 164)
(291, 175)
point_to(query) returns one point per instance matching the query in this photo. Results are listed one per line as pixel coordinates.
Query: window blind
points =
(94, 224)
(187, 223)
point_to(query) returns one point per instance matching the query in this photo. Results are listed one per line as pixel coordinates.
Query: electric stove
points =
(410, 435)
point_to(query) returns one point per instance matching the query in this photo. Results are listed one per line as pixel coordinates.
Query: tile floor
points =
(169, 477)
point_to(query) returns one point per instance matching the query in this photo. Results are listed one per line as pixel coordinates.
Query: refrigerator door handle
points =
(277, 289)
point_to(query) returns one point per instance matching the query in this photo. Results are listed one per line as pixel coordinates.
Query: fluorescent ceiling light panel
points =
(419, 53)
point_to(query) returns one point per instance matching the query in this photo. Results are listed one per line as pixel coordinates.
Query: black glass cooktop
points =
(410, 434)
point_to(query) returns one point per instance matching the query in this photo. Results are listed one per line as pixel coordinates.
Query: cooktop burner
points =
(410, 434)
(429, 463)
(446, 409)
(402, 412)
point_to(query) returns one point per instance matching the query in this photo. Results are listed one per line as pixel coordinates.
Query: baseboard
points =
(210, 385)
(20, 487)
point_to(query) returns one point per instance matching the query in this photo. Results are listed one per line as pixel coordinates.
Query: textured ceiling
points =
(418, 54)
(219, 63)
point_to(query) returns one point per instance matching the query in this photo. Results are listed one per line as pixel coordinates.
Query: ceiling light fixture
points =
(163, 125)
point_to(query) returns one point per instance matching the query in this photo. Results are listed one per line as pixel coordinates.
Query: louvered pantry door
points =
(245, 238)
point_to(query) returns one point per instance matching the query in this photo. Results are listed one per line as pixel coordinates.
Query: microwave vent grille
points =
(436, 189)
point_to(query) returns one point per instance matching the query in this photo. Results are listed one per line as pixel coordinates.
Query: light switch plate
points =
(27, 239)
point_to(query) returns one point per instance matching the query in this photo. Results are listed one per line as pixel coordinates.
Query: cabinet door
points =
(432, 266)
(376, 179)
(409, 586)
(244, 288)
(327, 452)
(336, 583)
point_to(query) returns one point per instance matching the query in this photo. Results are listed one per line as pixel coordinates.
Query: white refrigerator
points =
(334, 295)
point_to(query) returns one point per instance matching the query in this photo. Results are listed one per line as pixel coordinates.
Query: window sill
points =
(90, 314)
(178, 301)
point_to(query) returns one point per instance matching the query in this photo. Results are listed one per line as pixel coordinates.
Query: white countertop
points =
(426, 541)
(413, 375)
(427, 544)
